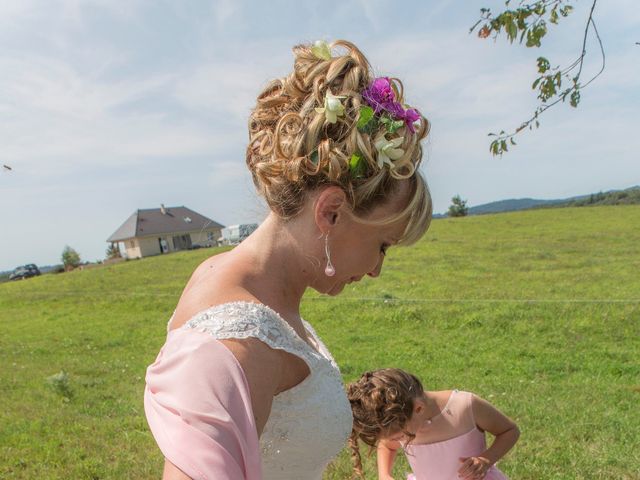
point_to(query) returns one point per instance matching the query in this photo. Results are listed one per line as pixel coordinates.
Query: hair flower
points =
(333, 107)
(388, 149)
(321, 50)
(381, 96)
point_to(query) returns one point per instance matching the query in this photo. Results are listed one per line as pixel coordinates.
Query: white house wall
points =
(148, 246)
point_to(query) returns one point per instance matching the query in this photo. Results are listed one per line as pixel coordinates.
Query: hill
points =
(537, 311)
(629, 196)
(510, 205)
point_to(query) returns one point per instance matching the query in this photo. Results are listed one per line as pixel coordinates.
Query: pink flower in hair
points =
(379, 94)
(381, 97)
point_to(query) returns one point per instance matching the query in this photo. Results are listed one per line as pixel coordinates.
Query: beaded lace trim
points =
(243, 319)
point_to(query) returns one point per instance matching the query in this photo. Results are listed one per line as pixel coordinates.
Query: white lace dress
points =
(310, 423)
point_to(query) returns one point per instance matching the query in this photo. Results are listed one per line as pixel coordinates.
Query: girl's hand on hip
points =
(474, 468)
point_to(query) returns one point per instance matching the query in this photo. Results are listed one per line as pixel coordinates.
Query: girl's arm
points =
(506, 432)
(387, 450)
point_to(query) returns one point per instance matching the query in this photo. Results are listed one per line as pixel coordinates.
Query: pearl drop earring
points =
(329, 270)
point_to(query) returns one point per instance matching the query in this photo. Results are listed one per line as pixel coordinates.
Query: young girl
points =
(441, 433)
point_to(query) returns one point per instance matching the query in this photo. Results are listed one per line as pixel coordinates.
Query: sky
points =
(110, 106)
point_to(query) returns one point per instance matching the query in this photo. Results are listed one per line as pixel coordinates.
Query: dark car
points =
(25, 271)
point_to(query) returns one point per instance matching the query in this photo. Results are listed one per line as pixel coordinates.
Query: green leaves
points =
(366, 114)
(535, 34)
(391, 125)
(357, 167)
(543, 65)
(575, 98)
(369, 123)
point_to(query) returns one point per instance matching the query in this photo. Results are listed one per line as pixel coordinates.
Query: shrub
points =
(113, 251)
(60, 384)
(458, 207)
(70, 258)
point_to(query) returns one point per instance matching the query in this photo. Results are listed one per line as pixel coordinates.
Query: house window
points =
(210, 236)
(181, 242)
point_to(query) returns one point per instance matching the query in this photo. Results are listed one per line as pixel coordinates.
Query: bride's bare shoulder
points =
(217, 280)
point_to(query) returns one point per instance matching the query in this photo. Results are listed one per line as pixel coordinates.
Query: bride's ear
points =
(329, 207)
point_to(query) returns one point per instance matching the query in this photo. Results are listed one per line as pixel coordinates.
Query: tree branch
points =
(529, 19)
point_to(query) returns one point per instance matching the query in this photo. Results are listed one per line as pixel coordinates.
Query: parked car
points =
(24, 271)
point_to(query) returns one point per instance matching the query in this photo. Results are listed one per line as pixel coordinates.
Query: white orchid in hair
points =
(388, 149)
(333, 107)
(321, 50)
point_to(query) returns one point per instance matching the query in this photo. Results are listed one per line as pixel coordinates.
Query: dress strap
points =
(240, 320)
(464, 410)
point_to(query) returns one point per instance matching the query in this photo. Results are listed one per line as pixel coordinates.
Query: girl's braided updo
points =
(293, 150)
(382, 402)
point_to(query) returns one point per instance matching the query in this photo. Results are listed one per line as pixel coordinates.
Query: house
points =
(234, 234)
(153, 231)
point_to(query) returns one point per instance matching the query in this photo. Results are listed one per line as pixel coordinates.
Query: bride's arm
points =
(263, 368)
(171, 472)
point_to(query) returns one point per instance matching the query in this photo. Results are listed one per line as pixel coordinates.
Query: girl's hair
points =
(292, 149)
(382, 402)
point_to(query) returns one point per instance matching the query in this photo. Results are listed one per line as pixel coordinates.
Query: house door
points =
(164, 246)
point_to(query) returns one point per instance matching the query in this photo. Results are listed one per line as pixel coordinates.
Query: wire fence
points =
(382, 299)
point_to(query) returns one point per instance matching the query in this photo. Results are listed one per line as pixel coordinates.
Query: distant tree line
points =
(630, 196)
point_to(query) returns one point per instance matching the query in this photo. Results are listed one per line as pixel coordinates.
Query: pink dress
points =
(453, 434)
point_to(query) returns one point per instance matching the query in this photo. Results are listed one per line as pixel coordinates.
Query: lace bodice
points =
(309, 423)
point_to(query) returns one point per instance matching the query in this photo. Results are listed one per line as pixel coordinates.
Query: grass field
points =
(537, 311)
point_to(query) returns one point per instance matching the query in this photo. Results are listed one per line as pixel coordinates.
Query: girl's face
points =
(411, 427)
(403, 436)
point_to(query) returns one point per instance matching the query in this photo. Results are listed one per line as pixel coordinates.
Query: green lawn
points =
(537, 311)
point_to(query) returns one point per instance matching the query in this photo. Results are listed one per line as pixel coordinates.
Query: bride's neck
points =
(280, 268)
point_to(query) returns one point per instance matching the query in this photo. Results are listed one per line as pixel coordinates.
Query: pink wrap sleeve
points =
(198, 407)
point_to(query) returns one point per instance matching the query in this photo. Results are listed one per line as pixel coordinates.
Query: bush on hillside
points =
(70, 258)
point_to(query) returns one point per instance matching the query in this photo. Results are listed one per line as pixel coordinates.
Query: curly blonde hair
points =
(293, 149)
(382, 402)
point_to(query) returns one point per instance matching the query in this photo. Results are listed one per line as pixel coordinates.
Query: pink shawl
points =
(198, 407)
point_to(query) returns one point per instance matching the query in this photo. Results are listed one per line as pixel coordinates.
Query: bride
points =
(244, 388)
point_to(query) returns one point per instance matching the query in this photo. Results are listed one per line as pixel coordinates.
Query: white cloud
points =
(224, 11)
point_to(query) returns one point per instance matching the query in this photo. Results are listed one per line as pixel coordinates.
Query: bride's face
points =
(358, 249)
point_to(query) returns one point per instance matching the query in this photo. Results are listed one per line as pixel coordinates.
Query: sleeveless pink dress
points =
(453, 434)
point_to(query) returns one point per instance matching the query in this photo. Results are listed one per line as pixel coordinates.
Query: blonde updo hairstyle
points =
(293, 150)
(382, 402)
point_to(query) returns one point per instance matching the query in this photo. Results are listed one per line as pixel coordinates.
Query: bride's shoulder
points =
(215, 282)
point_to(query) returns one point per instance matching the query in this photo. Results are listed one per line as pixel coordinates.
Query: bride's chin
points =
(332, 287)
(335, 289)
